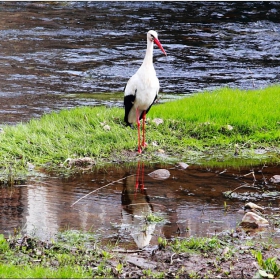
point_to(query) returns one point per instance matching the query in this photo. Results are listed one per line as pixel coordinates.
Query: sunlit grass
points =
(40, 272)
(254, 108)
(227, 115)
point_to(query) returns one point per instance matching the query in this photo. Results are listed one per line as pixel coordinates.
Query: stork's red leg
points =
(144, 144)
(138, 125)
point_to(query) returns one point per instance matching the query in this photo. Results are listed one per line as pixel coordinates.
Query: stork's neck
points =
(148, 60)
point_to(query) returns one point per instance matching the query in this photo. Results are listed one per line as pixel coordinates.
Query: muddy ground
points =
(231, 257)
(234, 260)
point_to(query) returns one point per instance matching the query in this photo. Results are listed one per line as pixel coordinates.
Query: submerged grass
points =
(193, 126)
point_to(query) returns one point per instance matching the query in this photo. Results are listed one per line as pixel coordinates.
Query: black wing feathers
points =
(128, 103)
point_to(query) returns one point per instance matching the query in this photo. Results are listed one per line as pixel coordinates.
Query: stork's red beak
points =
(159, 45)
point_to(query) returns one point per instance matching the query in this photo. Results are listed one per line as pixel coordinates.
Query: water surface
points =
(190, 201)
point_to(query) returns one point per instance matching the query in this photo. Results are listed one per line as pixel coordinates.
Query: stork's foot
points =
(144, 144)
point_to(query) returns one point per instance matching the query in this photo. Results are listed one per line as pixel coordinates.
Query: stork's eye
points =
(153, 37)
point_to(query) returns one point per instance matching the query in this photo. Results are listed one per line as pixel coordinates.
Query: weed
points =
(162, 243)
(269, 267)
(194, 275)
(30, 271)
(154, 218)
(4, 245)
(148, 273)
(106, 255)
(26, 257)
(119, 268)
(102, 271)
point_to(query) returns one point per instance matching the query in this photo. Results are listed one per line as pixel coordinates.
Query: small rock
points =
(30, 166)
(1, 130)
(183, 165)
(253, 207)
(160, 174)
(161, 151)
(157, 121)
(106, 127)
(275, 179)
(229, 127)
(252, 220)
(81, 162)
(141, 262)
(260, 151)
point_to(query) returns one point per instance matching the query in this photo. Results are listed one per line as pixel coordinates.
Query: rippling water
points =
(50, 51)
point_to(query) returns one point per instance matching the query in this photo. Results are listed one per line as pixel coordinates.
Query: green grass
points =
(192, 127)
(154, 218)
(253, 116)
(268, 268)
(28, 271)
(202, 244)
(67, 258)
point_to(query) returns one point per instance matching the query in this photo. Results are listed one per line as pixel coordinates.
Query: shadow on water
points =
(117, 202)
(54, 53)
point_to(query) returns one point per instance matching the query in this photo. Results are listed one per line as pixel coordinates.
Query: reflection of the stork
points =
(136, 207)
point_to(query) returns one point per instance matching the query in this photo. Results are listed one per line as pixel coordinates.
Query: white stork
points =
(142, 89)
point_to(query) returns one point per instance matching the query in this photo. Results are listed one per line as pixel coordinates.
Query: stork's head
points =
(153, 37)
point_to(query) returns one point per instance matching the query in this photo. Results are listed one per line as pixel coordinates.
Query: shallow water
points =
(190, 201)
(51, 51)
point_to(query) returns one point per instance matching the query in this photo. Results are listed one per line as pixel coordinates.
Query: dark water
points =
(190, 201)
(52, 50)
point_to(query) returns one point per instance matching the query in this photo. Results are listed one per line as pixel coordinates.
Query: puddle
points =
(109, 202)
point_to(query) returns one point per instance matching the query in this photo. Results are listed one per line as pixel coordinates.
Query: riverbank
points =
(213, 127)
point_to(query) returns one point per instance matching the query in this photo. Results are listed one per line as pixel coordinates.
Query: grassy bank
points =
(224, 121)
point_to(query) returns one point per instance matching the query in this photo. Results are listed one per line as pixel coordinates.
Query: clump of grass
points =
(76, 238)
(154, 218)
(201, 244)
